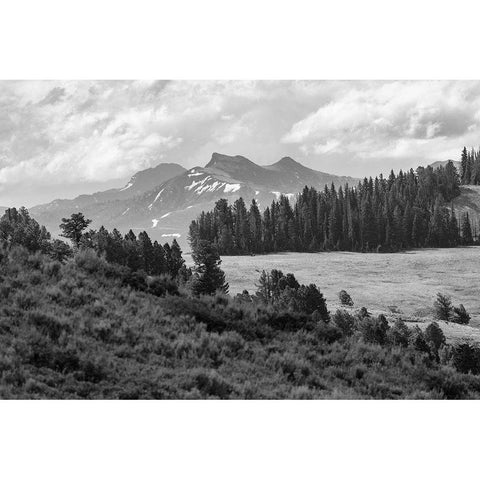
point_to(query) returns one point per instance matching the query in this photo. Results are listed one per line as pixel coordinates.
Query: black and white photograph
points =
(239, 241)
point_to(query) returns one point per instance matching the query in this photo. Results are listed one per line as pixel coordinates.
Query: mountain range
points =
(165, 199)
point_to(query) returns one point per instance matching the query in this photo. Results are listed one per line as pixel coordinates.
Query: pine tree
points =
(208, 276)
(463, 165)
(146, 252)
(443, 307)
(73, 227)
(159, 262)
(176, 259)
(467, 238)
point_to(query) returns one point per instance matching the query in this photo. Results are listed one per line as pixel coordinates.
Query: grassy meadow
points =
(403, 282)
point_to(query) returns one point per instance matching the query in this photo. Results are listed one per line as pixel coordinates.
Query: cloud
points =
(56, 135)
(391, 119)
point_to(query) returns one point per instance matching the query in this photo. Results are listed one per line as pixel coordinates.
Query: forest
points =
(76, 322)
(407, 210)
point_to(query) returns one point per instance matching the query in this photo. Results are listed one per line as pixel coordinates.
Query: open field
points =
(409, 281)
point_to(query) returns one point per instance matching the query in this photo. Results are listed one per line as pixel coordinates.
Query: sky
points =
(59, 139)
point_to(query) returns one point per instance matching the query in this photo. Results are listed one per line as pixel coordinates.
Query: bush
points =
(161, 285)
(399, 334)
(460, 315)
(345, 322)
(345, 298)
(374, 330)
(419, 342)
(363, 313)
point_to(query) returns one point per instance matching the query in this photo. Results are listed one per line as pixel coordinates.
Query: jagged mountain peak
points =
(220, 160)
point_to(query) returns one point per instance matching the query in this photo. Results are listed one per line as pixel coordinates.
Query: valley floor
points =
(405, 282)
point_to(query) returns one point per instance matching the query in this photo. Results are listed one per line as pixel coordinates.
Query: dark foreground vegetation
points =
(407, 210)
(84, 327)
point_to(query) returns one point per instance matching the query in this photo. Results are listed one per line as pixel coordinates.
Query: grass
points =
(405, 282)
(75, 330)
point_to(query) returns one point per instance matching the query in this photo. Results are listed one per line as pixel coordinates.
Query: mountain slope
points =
(442, 163)
(168, 208)
(140, 182)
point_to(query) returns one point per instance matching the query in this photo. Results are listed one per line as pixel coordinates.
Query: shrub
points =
(374, 330)
(399, 334)
(419, 342)
(161, 285)
(363, 313)
(345, 322)
(460, 315)
(211, 384)
(345, 298)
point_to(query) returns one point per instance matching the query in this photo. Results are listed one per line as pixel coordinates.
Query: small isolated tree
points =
(74, 226)
(208, 277)
(460, 315)
(443, 307)
(345, 298)
(434, 336)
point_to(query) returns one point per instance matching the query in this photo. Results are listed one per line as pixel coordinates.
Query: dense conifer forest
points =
(407, 210)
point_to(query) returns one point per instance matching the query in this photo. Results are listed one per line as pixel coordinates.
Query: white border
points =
(215, 39)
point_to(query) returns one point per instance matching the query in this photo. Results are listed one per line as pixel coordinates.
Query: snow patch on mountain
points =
(208, 188)
(156, 198)
(126, 211)
(176, 235)
(231, 187)
(154, 222)
(166, 215)
(126, 187)
(194, 183)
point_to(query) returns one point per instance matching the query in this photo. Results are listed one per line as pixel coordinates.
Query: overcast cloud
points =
(60, 139)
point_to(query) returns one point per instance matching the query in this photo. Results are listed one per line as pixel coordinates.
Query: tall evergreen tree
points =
(208, 276)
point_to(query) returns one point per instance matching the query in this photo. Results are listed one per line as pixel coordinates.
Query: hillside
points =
(74, 330)
(167, 209)
(442, 163)
(469, 202)
(105, 205)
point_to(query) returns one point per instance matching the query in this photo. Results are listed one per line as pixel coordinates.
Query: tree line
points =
(135, 254)
(408, 210)
(129, 250)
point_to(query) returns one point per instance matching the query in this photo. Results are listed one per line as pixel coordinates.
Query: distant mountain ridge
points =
(165, 199)
(442, 163)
